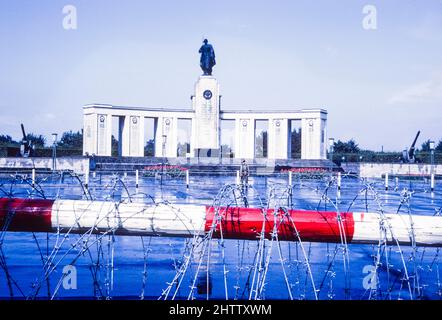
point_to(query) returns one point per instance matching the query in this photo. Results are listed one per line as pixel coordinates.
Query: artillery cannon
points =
(26, 147)
(408, 156)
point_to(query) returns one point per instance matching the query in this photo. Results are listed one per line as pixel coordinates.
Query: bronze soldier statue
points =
(207, 60)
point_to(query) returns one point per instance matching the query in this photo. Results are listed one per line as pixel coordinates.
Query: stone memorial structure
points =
(206, 133)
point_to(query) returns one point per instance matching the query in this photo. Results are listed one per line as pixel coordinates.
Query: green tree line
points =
(68, 140)
(351, 146)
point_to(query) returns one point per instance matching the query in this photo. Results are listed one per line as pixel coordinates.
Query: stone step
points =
(212, 166)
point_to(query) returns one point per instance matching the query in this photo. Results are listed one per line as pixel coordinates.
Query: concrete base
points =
(78, 165)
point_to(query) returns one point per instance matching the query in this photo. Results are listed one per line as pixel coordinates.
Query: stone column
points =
(141, 138)
(323, 139)
(278, 139)
(206, 106)
(123, 135)
(312, 145)
(90, 134)
(307, 125)
(133, 136)
(173, 139)
(159, 137)
(244, 138)
(104, 135)
(166, 131)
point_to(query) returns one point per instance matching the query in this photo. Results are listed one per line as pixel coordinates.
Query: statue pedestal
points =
(205, 103)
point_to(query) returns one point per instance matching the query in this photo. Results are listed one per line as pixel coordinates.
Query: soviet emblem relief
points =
(207, 94)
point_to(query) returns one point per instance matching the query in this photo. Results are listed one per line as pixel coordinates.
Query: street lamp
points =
(164, 155)
(331, 144)
(432, 147)
(54, 151)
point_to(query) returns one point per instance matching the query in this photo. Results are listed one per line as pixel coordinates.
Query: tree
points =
(261, 145)
(183, 149)
(149, 148)
(426, 146)
(226, 151)
(71, 139)
(37, 140)
(115, 152)
(439, 146)
(295, 150)
(6, 140)
(346, 147)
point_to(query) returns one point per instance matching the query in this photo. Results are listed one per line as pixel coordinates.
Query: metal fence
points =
(384, 157)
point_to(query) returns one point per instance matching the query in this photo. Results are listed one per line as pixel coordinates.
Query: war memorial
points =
(206, 121)
(229, 205)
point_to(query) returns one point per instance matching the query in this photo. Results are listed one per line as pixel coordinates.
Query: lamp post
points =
(331, 144)
(164, 155)
(432, 147)
(54, 151)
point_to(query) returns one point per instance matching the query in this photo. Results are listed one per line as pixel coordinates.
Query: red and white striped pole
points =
(77, 216)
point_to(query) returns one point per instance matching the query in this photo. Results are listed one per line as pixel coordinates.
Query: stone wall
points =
(377, 170)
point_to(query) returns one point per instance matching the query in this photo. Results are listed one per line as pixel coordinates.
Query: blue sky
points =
(379, 86)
